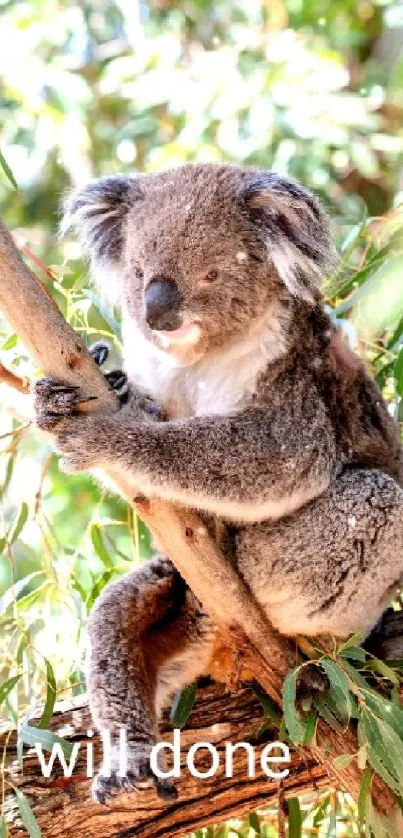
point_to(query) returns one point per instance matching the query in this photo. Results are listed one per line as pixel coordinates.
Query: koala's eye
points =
(211, 276)
(138, 273)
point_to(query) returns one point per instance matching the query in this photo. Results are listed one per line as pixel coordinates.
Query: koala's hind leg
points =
(332, 567)
(148, 637)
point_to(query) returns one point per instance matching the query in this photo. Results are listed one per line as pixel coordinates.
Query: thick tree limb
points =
(62, 354)
(63, 806)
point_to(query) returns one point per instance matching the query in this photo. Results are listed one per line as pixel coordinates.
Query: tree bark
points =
(256, 646)
(63, 806)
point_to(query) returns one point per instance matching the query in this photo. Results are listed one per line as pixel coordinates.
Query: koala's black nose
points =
(162, 305)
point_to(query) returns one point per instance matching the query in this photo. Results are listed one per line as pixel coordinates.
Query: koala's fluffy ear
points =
(98, 212)
(296, 231)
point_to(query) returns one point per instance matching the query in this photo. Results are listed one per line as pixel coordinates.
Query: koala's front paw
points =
(138, 777)
(75, 435)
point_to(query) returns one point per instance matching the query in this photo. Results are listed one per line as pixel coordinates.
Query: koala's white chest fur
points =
(219, 384)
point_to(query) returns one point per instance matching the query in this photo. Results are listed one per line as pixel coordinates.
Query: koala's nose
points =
(162, 305)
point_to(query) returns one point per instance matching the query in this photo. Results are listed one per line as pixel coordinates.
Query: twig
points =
(8, 377)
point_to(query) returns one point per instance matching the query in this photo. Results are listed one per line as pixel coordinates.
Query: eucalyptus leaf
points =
(99, 546)
(294, 818)
(7, 171)
(19, 523)
(47, 712)
(363, 794)
(27, 816)
(339, 687)
(182, 705)
(293, 720)
(98, 588)
(343, 761)
(254, 823)
(7, 686)
(268, 705)
(32, 736)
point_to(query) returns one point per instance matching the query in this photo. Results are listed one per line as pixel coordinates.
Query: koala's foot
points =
(312, 682)
(138, 777)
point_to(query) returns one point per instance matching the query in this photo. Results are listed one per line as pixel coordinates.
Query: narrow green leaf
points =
(353, 238)
(398, 373)
(363, 794)
(343, 760)
(385, 744)
(320, 812)
(7, 171)
(327, 714)
(387, 710)
(355, 653)
(292, 718)
(384, 670)
(7, 686)
(362, 757)
(37, 736)
(353, 641)
(268, 705)
(339, 688)
(310, 728)
(182, 705)
(99, 546)
(3, 828)
(383, 772)
(19, 523)
(98, 588)
(106, 313)
(10, 342)
(294, 818)
(396, 334)
(27, 816)
(47, 712)
(13, 593)
(254, 823)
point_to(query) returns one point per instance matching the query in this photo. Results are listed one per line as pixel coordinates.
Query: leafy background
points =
(309, 87)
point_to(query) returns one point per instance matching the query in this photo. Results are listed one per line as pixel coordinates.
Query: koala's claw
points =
(100, 351)
(143, 778)
(117, 379)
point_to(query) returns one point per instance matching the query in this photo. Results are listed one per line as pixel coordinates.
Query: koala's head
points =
(197, 256)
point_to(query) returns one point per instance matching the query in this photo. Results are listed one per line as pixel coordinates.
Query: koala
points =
(243, 403)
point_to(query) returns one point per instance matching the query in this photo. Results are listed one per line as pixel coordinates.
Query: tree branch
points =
(63, 806)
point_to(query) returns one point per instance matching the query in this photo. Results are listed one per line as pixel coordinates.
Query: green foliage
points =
(366, 691)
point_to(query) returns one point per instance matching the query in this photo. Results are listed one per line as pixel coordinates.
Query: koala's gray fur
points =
(265, 422)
